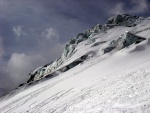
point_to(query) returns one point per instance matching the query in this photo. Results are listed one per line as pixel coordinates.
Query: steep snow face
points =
(72, 45)
(108, 72)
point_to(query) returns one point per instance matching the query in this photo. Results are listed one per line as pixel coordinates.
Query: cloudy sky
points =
(34, 32)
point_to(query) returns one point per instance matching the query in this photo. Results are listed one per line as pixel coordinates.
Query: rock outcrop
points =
(70, 48)
(123, 41)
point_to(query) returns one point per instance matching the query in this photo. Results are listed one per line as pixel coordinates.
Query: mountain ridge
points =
(48, 69)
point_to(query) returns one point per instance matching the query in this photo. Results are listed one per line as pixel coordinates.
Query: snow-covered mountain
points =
(106, 69)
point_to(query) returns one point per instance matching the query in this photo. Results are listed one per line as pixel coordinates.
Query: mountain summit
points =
(106, 69)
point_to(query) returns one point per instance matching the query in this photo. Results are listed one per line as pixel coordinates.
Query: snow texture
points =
(116, 81)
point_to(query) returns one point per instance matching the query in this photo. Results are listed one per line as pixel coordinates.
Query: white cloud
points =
(51, 34)
(17, 30)
(118, 9)
(20, 65)
(138, 6)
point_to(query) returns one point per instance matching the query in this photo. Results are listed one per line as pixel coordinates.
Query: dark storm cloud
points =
(34, 32)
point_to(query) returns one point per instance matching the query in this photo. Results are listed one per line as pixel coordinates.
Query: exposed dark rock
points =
(84, 57)
(49, 76)
(130, 38)
(98, 43)
(108, 49)
(21, 85)
(96, 29)
(123, 41)
(124, 19)
(81, 37)
(72, 41)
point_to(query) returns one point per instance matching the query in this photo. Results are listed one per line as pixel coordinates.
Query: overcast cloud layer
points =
(34, 32)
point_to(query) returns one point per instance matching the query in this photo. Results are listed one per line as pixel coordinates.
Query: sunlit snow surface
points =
(116, 82)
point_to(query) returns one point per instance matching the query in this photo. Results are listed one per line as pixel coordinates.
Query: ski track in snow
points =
(127, 94)
(102, 99)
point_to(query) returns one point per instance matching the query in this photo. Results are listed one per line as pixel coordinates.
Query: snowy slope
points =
(115, 82)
